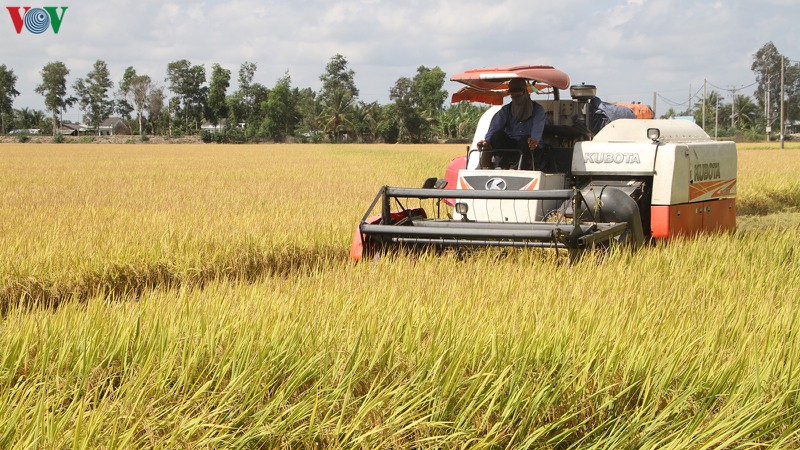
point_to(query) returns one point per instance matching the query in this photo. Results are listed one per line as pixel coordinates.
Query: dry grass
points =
(205, 302)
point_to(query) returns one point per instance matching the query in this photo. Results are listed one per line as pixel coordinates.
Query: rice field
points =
(200, 297)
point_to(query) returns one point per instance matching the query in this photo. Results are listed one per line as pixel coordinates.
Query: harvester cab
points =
(604, 174)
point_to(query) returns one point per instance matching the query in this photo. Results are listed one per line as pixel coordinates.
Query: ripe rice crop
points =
(768, 181)
(119, 218)
(200, 297)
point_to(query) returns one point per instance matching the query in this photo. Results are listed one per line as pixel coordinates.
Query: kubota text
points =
(609, 158)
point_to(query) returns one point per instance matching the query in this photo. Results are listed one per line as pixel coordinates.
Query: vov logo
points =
(36, 20)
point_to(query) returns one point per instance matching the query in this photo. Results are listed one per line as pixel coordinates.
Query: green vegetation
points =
(200, 297)
(252, 113)
(418, 110)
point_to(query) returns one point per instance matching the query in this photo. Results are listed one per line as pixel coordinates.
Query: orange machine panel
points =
(689, 218)
(672, 220)
(719, 214)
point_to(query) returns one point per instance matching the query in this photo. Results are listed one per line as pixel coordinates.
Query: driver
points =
(518, 125)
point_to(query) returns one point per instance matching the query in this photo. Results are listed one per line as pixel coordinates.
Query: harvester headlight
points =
(462, 208)
(653, 134)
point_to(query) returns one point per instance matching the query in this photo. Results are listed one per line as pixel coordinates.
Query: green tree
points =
(712, 101)
(172, 115)
(279, 110)
(337, 98)
(337, 77)
(157, 116)
(745, 112)
(137, 90)
(428, 91)
(54, 90)
(337, 114)
(407, 115)
(8, 91)
(28, 118)
(767, 68)
(792, 82)
(244, 104)
(216, 106)
(186, 81)
(123, 104)
(247, 72)
(93, 95)
(388, 128)
(239, 105)
(309, 114)
(419, 103)
(368, 117)
(459, 121)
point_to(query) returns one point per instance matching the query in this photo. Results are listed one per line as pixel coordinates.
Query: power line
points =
(672, 102)
(685, 103)
(734, 88)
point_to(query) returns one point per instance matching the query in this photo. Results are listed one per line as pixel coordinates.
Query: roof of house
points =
(74, 126)
(111, 121)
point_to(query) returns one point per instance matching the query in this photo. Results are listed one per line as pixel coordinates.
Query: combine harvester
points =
(596, 182)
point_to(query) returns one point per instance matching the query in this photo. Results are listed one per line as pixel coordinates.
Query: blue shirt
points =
(533, 126)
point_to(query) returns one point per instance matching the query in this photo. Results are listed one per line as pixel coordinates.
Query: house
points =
(72, 129)
(26, 131)
(113, 126)
(207, 126)
(210, 127)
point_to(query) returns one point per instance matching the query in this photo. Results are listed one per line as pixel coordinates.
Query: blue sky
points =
(629, 49)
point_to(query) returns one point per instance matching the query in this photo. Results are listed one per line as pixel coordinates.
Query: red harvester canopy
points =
(490, 84)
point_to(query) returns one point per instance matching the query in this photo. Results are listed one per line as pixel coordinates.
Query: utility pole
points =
(705, 96)
(766, 113)
(655, 95)
(716, 118)
(782, 95)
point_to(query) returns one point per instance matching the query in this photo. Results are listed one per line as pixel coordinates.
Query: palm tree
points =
(28, 118)
(745, 111)
(459, 121)
(368, 118)
(712, 101)
(337, 113)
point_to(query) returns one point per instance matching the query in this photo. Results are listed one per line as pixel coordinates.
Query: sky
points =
(632, 50)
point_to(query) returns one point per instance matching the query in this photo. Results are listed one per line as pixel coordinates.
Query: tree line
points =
(253, 112)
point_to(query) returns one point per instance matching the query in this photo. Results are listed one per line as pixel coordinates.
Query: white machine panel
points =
(510, 211)
(694, 172)
(613, 158)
